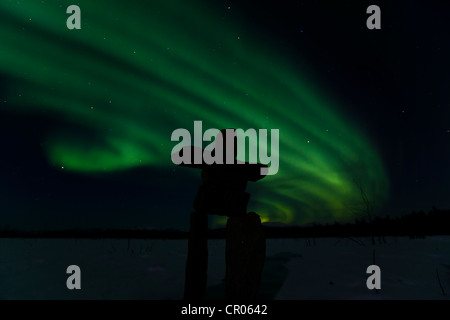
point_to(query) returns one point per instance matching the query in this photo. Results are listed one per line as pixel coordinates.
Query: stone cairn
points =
(223, 193)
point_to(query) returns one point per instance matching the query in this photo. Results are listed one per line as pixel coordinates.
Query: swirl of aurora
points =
(136, 71)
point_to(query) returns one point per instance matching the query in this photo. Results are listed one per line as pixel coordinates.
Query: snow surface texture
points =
(154, 269)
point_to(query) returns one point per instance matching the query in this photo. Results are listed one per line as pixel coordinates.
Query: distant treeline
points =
(96, 234)
(414, 225)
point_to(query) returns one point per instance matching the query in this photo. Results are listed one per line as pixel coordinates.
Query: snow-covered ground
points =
(154, 269)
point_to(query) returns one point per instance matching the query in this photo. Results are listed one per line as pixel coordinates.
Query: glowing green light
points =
(136, 72)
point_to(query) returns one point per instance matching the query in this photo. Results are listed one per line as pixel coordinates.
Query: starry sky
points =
(86, 115)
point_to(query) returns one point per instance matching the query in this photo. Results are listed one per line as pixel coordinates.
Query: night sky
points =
(86, 115)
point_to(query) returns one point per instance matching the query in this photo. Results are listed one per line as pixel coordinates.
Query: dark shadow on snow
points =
(274, 275)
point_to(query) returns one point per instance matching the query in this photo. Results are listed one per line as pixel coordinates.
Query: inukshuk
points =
(223, 193)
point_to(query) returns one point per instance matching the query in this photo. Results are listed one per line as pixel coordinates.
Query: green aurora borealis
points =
(136, 72)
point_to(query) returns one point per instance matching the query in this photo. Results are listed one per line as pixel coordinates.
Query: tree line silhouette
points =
(414, 225)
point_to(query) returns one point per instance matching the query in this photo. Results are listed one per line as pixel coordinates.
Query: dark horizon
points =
(414, 225)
